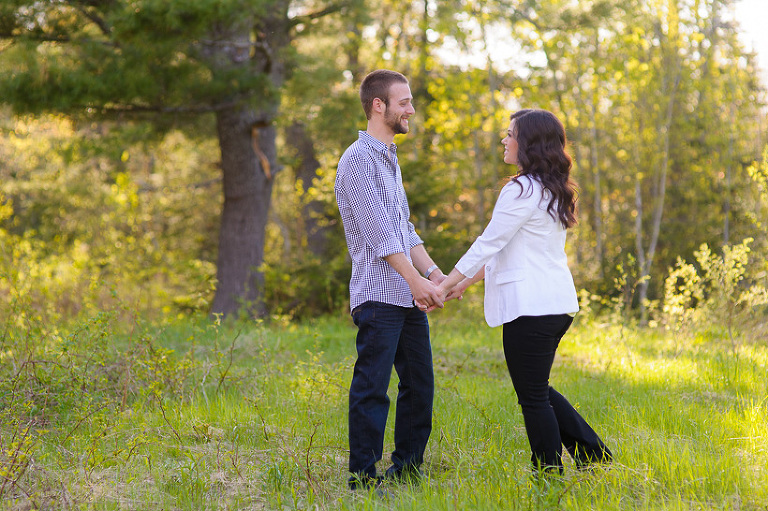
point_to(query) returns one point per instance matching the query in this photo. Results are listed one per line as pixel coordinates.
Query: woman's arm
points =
(456, 283)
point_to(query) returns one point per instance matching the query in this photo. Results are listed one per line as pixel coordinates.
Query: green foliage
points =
(99, 410)
(720, 296)
(144, 55)
(649, 96)
(755, 203)
(302, 287)
(84, 225)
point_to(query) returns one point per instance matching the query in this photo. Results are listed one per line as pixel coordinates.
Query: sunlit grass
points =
(254, 416)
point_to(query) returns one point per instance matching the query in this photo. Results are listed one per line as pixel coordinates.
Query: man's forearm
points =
(424, 292)
(423, 263)
(403, 266)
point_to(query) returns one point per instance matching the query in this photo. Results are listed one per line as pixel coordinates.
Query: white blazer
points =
(523, 250)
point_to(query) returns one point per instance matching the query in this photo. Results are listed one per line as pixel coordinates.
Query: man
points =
(389, 297)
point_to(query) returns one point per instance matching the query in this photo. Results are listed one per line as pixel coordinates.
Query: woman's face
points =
(510, 145)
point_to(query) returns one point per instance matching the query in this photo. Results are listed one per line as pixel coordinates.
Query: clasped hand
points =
(438, 294)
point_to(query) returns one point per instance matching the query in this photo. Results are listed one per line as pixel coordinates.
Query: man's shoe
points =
(364, 482)
(372, 485)
(407, 474)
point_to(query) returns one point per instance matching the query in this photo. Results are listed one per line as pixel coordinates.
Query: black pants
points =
(530, 343)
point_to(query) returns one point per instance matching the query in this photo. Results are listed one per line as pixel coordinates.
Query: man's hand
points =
(424, 291)
(425, 294)
(437, 277)
(453, 286)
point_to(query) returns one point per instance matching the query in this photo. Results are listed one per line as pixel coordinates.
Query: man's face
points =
(399, 109)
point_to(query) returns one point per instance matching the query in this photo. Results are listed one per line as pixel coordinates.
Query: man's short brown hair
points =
(376, 85)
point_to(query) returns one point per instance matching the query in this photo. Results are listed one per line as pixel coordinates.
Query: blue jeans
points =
(551, 422)
(390, 335)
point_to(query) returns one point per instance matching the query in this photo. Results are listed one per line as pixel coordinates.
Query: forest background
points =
(144, 142)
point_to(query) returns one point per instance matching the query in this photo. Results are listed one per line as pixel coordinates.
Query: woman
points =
(528, 286)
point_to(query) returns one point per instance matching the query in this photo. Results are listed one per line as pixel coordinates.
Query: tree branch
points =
(97, 20)
(160, 109)
(43, 38)
(331, 9)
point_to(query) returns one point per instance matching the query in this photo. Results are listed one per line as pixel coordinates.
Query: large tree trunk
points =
(248, 156)
(247, 140)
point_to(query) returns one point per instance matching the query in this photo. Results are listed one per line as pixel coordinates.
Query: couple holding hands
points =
(520, 255)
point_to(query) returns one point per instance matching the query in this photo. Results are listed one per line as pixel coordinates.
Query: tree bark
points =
(597, 206)
(306, 171)
(247, 140)
(248, 157)
(596, 174)
(645, 259)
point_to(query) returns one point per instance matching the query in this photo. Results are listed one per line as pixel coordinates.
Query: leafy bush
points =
(56, 379)
(88, 221)
(724, 293)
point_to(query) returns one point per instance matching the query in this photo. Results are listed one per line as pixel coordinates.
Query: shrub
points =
(723, 295)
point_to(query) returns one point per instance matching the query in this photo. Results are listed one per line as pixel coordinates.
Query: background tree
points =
(226, 60)
(660, 101)
(639, 85)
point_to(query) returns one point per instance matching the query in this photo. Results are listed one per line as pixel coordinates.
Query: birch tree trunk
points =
(645, 257)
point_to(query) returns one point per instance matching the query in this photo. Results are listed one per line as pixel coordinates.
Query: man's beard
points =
(396, 125)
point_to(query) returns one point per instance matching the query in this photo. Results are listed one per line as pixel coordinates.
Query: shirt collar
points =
(377, 144)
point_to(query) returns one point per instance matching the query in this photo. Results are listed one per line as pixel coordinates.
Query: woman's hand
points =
(458, 291)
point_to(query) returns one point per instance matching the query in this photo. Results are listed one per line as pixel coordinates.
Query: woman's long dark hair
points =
(541, 155)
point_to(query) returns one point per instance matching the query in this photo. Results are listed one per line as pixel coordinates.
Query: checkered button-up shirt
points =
(374, 209)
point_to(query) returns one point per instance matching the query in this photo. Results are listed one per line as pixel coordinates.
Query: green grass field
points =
(194, 415)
